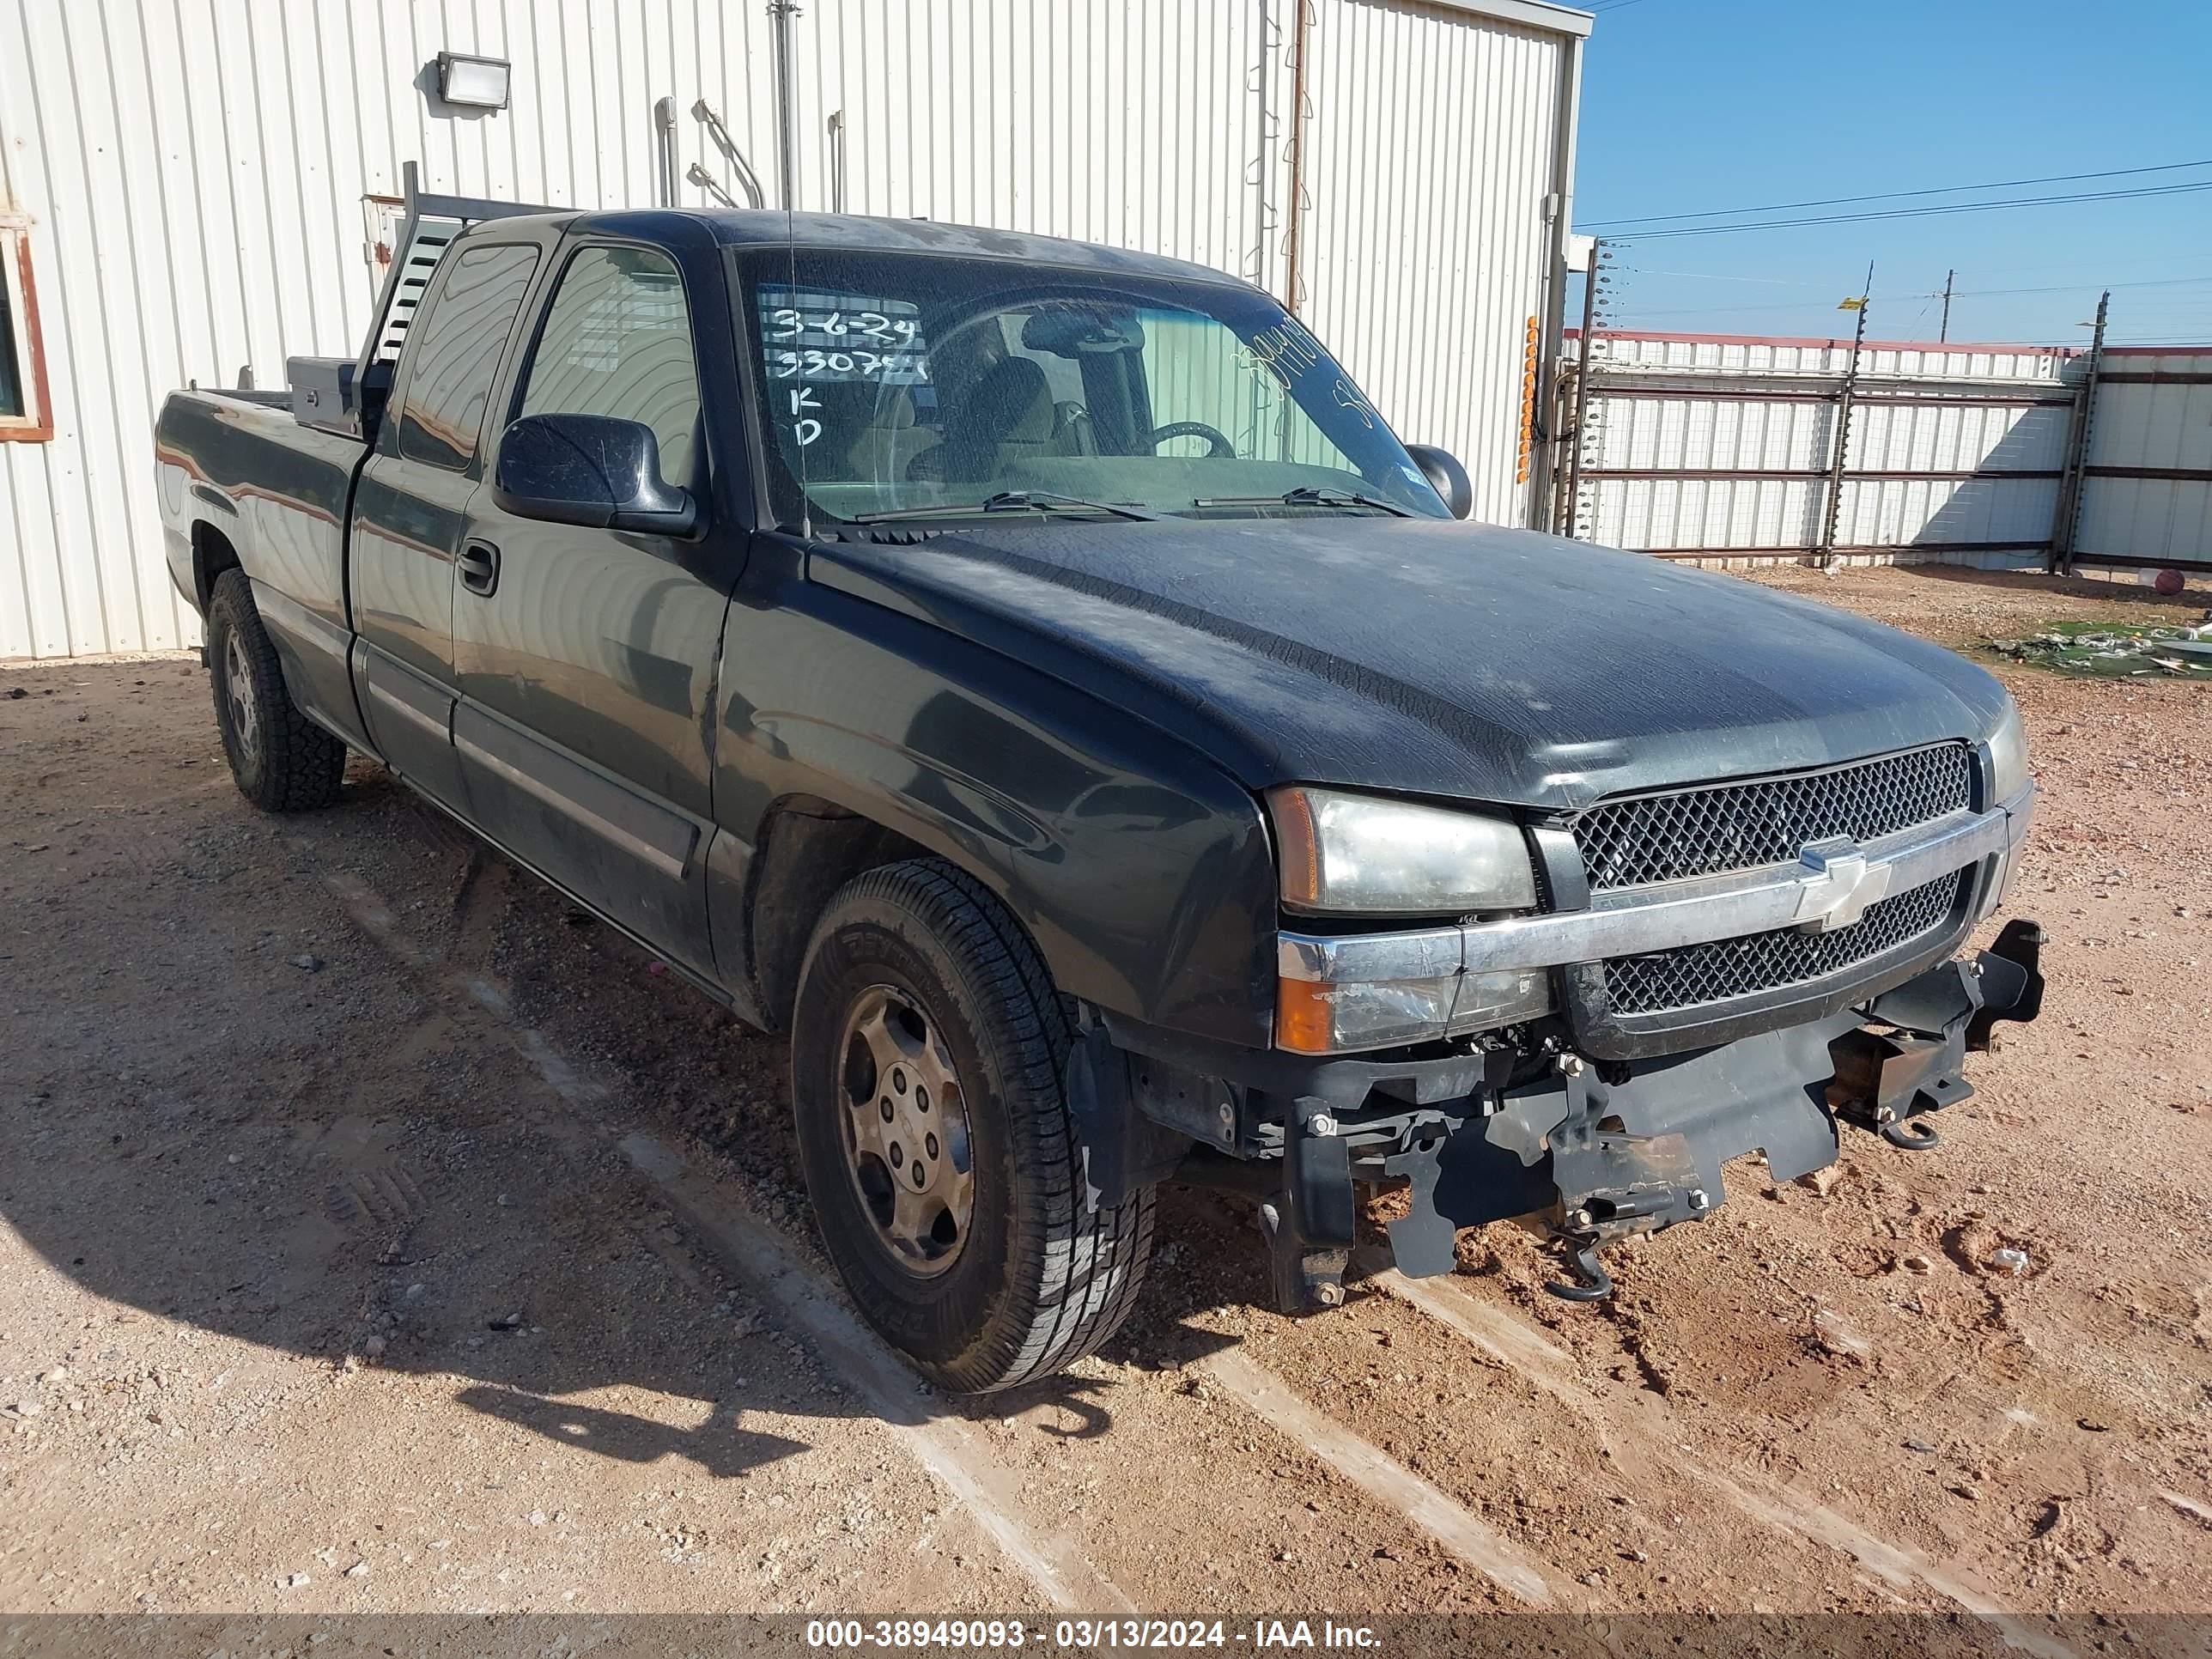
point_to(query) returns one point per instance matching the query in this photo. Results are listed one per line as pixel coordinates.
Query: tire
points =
(282, 761)
(1035, 1280)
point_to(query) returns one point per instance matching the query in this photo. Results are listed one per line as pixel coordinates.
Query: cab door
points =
(584, 658)
(410, 508)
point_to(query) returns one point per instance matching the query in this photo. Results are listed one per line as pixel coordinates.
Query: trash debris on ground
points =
(2117, 651)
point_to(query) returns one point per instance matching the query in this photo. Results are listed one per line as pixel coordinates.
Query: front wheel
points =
(282, 761)
(928, 1056)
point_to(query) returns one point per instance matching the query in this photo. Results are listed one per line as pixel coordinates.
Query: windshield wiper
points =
(1309, 496)
(1009, 500)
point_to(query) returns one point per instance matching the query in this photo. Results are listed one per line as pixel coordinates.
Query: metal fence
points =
(2146, 494)
(1732, 448)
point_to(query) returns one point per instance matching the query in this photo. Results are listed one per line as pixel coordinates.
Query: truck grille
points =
(1739, 826)
(1722, 968)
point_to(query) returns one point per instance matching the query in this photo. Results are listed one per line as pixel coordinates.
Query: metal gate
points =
(1728, 448)
(1733, 448)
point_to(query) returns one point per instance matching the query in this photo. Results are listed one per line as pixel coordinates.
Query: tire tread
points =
(1093, 1261)
(302, 766)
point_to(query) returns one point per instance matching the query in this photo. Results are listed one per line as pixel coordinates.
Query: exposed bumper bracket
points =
(1310, 1223)
(2012, 981)
(1886, 1078)
(1592, 1161)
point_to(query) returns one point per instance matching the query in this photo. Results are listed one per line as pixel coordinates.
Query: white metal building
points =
(199, 189)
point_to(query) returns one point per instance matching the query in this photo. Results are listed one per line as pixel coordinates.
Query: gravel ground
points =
(342, 1266)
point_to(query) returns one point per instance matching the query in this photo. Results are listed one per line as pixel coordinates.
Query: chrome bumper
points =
(1827, 888)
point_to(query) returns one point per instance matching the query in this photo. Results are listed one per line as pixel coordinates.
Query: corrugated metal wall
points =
(2147, 489)
(1431, 158)
(1704, 447)
(196, 172)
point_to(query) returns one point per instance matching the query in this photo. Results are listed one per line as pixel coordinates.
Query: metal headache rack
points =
(339, 394)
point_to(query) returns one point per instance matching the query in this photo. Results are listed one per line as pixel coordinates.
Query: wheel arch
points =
(213, 553)
(808, 848)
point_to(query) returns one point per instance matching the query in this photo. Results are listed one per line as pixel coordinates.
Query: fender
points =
(1142, 871)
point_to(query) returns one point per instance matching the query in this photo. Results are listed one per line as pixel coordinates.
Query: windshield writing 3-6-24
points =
(905, 385)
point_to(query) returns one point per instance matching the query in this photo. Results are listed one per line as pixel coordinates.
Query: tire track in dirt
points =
(1385, 1479)
(850, 1355)
(950, 1446)
(1655, 1444)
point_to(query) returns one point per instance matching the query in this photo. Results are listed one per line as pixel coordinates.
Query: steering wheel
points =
(1217, 447)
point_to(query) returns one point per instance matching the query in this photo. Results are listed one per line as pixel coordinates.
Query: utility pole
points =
(1826, 550)
(1943, 331)
(2067, 519)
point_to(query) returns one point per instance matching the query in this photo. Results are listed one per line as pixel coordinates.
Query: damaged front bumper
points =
(1590, 1121)
(1590, 1150)
(1638, 1146)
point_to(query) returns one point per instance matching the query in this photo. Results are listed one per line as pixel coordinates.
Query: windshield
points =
(915, 384)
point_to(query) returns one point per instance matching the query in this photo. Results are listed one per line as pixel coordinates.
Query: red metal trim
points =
(1843, 345)
(40, 426)
(1875, 474)
(1720, 392)
(1294, 235)
(2159, 351)
(1852, 552)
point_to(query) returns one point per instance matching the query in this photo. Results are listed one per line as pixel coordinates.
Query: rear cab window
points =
(453, 355)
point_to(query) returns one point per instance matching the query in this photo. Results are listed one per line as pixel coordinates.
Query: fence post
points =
(2066, 522)
(1826, 550)
(1585, 352)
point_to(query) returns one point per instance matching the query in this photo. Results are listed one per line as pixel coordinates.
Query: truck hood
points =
(1431, 657)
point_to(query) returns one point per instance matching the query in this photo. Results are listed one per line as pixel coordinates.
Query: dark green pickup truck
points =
(1034, 677)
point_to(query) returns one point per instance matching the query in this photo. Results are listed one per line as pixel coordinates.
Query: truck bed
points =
(242, 482)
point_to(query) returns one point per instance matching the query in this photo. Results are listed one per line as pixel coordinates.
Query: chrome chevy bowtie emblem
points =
(1838, 883)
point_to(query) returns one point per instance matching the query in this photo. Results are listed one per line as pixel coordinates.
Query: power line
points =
(2084, 288)
(1720, 276)
(1635, 237)
(1894, 195)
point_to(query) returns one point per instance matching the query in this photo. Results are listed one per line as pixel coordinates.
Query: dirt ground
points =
(379, 1234)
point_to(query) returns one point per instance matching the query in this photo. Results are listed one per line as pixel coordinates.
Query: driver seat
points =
(1007, 417)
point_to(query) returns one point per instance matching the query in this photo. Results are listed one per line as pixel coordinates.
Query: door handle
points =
(479, 567)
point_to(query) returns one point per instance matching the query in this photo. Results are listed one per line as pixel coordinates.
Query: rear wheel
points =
(283, 761)
(928, 1049)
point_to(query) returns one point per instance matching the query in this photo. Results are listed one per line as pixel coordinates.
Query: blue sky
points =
(1690, 106)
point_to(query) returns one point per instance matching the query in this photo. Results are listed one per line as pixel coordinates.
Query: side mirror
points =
(592, 469)
(1446, 476)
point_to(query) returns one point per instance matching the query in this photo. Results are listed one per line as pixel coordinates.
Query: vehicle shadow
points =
(230, 1110)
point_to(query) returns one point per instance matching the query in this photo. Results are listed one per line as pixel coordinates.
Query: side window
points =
(452, 359)
(617, 341)
(25, 414)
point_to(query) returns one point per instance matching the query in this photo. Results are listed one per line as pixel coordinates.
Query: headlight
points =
(2008, 772)
(1344, 854)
